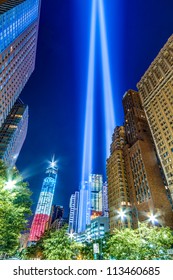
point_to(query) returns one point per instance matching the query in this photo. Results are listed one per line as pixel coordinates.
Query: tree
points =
(59, 246)
(15, 208)
(143, 243)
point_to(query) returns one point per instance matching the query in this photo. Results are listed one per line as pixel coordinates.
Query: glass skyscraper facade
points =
(19, 21)
(84, 207)
(74, 210)
(90, 201)
(15, 17)
(96, 185)
(13, 133)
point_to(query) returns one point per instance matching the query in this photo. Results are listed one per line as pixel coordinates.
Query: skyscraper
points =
(90, 201)
(95, 187)
(13, 133)
(84, 207)
(43, 210)
(74, 211)
(156, 92)
(118, 193)
(19, 20)
(105, 207)
(56, 219)
(145, 183)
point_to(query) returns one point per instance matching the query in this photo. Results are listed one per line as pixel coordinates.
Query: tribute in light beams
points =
(97, 6)
(108, 97)
(85, 190)
(88, 134)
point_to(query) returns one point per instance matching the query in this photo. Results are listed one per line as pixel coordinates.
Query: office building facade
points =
(156, 92)
(147, 192)
(74, 211)
(118, 193)
(84, 207)
(95, 188)
(13, 133)
(105, 207)
(19, 22)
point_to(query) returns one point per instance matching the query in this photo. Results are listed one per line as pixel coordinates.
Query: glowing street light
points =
(121, 214)
(152, 218)
(71, 235)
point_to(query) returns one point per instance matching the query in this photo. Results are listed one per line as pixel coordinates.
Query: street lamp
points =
(152, 218)
(121, 214)
(71, 235)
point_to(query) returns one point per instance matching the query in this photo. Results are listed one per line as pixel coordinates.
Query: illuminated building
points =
(90, 201)
(95, 187)
(156, 92)
(13, 133)
(95, 230)
(146, 187)
(105, 207)
(84, 207)
(43, 210)
(118, 193)
(19, 20)
(74, 210)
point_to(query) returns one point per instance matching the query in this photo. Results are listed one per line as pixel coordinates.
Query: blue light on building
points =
(15, 17)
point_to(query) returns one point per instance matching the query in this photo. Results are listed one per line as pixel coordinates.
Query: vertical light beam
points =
(108, 97)
(88, 133)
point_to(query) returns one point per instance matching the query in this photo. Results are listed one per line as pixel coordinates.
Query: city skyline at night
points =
(134, 38)
(86, 130)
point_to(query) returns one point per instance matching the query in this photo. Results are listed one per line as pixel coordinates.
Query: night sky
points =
(56, 91)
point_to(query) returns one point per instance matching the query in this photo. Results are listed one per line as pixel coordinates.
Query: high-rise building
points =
(13, 133)
(74, 210)
(19, 20)
(57, 221)
(56, 212)
(95, 189)
(156, 92)
(43, 210)
(105, 207)
(118, 193)
(147, 192)
(90, 201)
(84, 207)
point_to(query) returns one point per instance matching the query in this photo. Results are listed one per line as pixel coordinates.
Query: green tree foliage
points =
(59, 246)
(86, 251)
(143, 243)
(15, 206)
